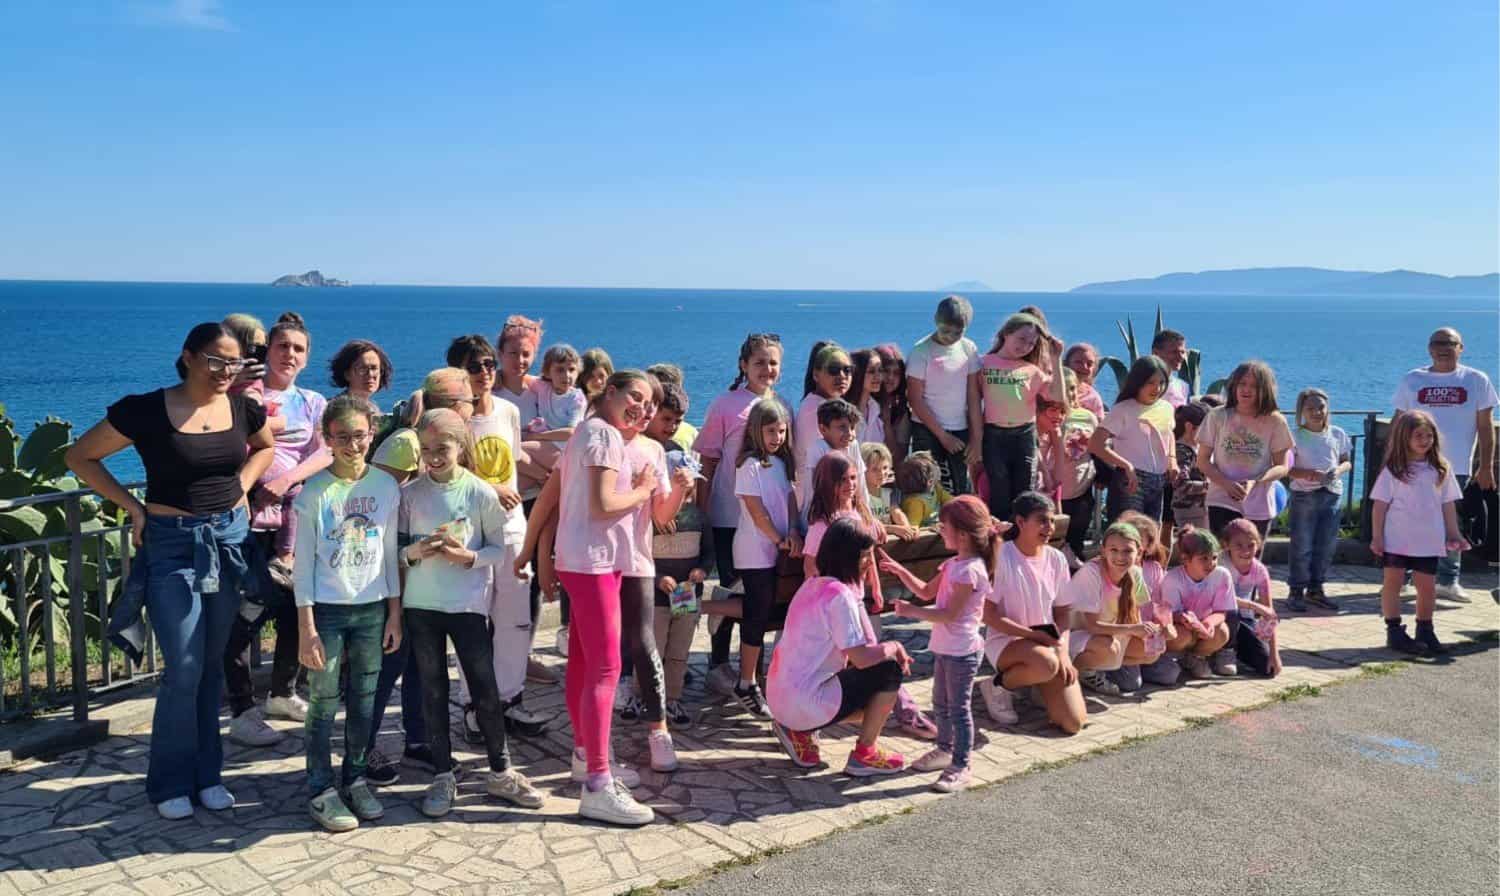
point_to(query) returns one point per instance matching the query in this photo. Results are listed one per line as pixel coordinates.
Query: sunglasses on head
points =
(766, 337)
(480, 366)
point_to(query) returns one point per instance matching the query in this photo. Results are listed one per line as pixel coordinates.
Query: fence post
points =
(76, 601)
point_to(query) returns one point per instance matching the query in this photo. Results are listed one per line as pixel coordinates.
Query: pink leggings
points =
(593, 661)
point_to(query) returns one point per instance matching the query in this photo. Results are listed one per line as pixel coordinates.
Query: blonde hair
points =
(870, 452)
(433, 383)
(451, 428)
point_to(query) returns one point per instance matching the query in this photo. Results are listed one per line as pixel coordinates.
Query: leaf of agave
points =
(1158, 323)
(1217, 387)
(1118, 368)
(47, 438)
(1192, 370)
(21, 524)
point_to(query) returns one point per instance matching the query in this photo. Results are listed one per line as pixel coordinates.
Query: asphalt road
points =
(1389, 784)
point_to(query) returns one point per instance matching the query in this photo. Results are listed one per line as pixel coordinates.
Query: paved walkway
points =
(81, 824)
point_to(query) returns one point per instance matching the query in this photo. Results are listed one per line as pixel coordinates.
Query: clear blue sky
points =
(835, 144)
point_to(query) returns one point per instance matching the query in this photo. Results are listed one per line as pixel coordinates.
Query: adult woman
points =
(361, 368)
(295, 416)
(192, 530)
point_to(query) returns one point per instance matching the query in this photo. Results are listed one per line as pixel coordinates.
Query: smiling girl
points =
(1243, 449)
(1135, 439)
(1025, 363)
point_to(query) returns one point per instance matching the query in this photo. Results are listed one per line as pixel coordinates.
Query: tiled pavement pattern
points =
(81, 824)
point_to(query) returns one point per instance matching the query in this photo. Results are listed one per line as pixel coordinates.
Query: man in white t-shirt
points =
(1171, 347)
(1462, 401)
(942, 386)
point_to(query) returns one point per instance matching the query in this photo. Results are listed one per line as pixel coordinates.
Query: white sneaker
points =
(623, 773)
(614, 805)
(1454, 592)
(934, 760)
(293, 708)
(216, 798)
(175, 809)
(249, 728)
(561, 644)
(1408, 590)
(997, 702)
(663, 754)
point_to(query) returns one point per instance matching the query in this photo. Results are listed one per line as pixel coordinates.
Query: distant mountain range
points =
(1303, 281)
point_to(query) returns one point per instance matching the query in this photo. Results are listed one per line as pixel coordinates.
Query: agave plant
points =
(1192, 365)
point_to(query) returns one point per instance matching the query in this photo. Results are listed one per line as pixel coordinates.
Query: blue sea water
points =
(69, 349)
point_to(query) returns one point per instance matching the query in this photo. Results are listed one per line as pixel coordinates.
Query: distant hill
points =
(1302, 281)
(311, 278)
(968, 286)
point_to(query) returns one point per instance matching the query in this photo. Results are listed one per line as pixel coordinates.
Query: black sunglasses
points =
(1445, 343)
(840, 369)
(483, 364)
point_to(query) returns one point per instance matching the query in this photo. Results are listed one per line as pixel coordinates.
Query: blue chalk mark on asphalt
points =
(1399, 751)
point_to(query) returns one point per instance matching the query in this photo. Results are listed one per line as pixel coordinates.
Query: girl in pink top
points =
(1111, 595)
(1253, 626)
(958, 594)
(1200, 594)
(835, 491)
(864, 393)
(1083, 359)
(1135, 440)
(1024, 363)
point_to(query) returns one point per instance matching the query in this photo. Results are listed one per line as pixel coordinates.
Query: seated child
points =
(883, 498)
(1253, 627)
(922, 494)
(1109, 593)
(1200, 594)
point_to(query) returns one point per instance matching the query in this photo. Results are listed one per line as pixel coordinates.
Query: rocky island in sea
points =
(311, 278)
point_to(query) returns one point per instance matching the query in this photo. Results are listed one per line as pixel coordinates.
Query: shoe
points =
(677, 714)
(419, 755)
(633, 709)
(249, 728)
(1428, 638)
(1195, 666)
(998, 702)
(281, 572)
(521, 721)
(1098, 682)
(512, 786)
(1398, 640)
(1295, 601)
(614, 805)
(722, 680)
(362, 802)
(877, 760)
(624, 693)
(539, 673)
(561, 643)
(329, 811)
(291, 708)
(1224, 662)
(440, 793)
(472, 732)
(801, 746)
(1127, 678)
(1454, 592)
(216, 798)
(623, 773)
(1316, 597)
(1408, 590)
(380, 770)
(952, 780)
(934, 760)
(751, 700)
(917, 724)
(1164, 671)
(175, 809)
(663, 754)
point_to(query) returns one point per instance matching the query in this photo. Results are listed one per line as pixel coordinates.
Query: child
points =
(1072, 470)
(829, 374)
(1186, 505)
(922, 493)
(837, 421)
(1109, 593)
(895, 409)
(835, 485)
(348, 594)
(1135, 439)
(452, 532)
(1320, 457)
(959, 592)
(1253, 627)
(942, 387)
(1153, 563)
(1415, 523)
(667, 372)
(553, 404)
(883, 503)
(1200, 594)
(594, 373)
(1027, 617)
(1024, 363)
(864, 393)
(1083, 359)
(768, 512)
(1243, 449)
(1049, 418)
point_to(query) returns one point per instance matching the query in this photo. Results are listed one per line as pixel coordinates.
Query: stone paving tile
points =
(82, 824)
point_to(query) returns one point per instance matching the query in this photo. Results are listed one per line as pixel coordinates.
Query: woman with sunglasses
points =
(202, 449)
(830, 373)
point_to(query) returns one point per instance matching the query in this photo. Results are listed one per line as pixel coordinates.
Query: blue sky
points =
(835, 144)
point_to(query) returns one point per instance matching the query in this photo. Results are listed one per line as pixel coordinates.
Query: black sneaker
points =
(677, 714)
(1398, 640)
(419, 755)
(632, 710)
(1295, 601)
(381, 771)
(472, 733)
(1316, 596)
(752, 701)
(1429, 639)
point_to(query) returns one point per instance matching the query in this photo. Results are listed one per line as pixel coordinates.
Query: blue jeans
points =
(196, 574)
(953, 703)
(1448, 567)
(393, 666)
(351, 634)
(1314, 521)
(1147, 498)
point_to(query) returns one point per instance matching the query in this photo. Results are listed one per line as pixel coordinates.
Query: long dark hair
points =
(861, 359)
(894, 400)
(827, 476)
(753, 343)
(200, 338)
(1140, 374)
(843, 548)
(822, 350)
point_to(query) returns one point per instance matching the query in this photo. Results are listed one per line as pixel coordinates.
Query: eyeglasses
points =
(217, 364)
(366, 368)
(483, 365)
(1445, 343)
(840, 369)
(349, 438)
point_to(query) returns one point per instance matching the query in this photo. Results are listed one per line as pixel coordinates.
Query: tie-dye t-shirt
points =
(1244, 448)
(1142, 433)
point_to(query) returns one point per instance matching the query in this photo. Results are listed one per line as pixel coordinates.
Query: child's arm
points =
(665, 507)
(1060, 619)
(793, 537)
(761, 518)
(974, 408)
(541, 512)
(1454, 539)
(1057, 387)
(1378, 511)
(925, 590)
(1099, 446)
(957, 608)
(553, 435)
(606, 503)
(1253, 606)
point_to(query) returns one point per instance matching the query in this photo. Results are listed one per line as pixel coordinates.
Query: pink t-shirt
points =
(1141, 433)
(643, 452)
(1153, 574)
(1414, 524)
(1244, 448)
(722, 436)
(817, 530)
(1254, 584)
(1090, 592)
(1215, 594)
(1010, 389)
(586, 544)
(1026, 589)
(961, 636)
(825, 619)
(1090, 400)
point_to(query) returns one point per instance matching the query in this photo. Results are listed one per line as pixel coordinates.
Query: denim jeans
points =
(197, 571)
(430, 631)
(1147, 498)
(1314, 521)
(351, 636)
(1009, 464)
(400, 665)
(1448, 567)
(955, 470)
(952, 703)
(1080, 511)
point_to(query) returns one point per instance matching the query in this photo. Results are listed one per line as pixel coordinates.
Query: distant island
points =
(1303, 281)
(968, 286)
(311, 278)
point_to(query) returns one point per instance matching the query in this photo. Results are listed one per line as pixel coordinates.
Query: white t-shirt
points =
(1026, 589)
(960, 637)
(1142, 434)
(805, 432)
(644, 451)
(466, 507)
(825, 619)
(1215, 594)
(1414, 524)
(944, 371)
(1453, 399)
(871, 428)
(586, 544)
(722, 437)
(1320, 451)
(1178, 393)
(346, 539)
(816, 452)
(752, 549)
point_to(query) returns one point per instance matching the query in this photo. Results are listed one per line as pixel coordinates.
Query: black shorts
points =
(1425, 565)
(859, 686)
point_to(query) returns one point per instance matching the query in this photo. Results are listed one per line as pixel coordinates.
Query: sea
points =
(68, 349)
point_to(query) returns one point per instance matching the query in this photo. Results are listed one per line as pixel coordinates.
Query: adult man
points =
(1461, 399)
(1171, 347)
